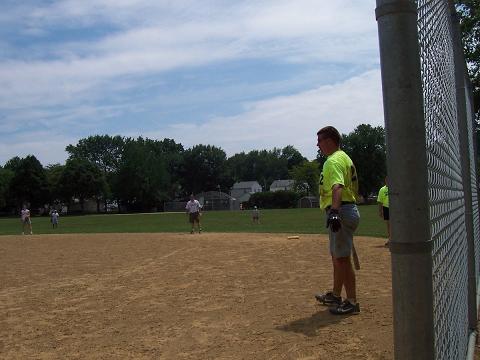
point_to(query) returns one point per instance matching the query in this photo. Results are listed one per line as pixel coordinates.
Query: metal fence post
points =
(408, 179)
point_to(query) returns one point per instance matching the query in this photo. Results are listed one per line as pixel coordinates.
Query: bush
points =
(274, 200)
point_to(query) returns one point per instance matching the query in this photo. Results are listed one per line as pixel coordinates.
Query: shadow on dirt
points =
(309, 326)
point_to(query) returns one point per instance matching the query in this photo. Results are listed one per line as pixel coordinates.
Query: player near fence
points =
(26, 221)
(338, 188)
(383, 209)
(193, 209)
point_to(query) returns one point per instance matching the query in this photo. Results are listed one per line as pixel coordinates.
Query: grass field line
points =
(292, 221)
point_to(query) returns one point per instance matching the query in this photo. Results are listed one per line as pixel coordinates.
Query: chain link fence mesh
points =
(445, 187)
(434, 189)
(474, 180)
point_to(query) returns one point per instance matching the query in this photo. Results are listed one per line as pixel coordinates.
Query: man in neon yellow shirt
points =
(338, 189)
(383, 210)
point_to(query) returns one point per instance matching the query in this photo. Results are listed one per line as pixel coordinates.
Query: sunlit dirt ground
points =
(182, 296)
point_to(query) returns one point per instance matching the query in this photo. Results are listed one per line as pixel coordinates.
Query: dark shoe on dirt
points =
(345, 308)
(328, 299)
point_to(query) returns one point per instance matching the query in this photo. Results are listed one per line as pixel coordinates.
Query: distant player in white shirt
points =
(26, 222)
(193, 209)
(54, 218)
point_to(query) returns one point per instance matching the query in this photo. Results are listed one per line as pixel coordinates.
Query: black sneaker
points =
(345, 308)
(328, 298)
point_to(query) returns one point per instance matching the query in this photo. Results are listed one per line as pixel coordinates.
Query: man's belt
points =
(343, 203)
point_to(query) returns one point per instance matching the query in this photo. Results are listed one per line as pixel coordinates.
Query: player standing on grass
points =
(193, 208)
(54, 218)
(383, 210)
(255, 215)
(338, 187)
(26, 222)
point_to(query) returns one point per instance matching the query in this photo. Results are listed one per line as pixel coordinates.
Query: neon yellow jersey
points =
(338, 169)
(383, 196)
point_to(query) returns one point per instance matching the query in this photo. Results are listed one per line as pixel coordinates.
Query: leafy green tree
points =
(366, 147)
(82, 180)
(105, 152)
(248, 166)
(271, 166)
(469, 14)
(53, 174)
(261, 167)
(143, 179)
(292, 156)
(264, 166)
(308, 172)
(204, 169)
(236, 167)
(13, 164)
(6, 177)
(29, 183)
(172, 153)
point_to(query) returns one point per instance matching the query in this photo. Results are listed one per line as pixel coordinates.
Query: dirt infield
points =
(182, 296)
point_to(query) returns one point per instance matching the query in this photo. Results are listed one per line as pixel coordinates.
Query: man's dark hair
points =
(331, 133)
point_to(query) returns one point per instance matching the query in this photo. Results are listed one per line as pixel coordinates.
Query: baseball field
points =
(78, 292)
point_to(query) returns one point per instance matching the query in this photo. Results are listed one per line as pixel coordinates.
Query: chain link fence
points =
(210, 200)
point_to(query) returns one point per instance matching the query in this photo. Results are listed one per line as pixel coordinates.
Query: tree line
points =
(140, 174)
(469, 15)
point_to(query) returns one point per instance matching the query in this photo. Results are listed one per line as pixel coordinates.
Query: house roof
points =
(245, 185)
(282, 183)
(213, 195)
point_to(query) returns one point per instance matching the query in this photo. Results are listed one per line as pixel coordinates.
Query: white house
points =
(282, 185)
(242, 190)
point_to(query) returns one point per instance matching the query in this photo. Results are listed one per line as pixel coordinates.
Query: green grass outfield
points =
(295, 221)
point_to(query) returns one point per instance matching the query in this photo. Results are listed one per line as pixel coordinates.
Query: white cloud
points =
(62, 83)
(267, 17)
(288, 120)
(282, 30)
(277, 122)
(47, 146)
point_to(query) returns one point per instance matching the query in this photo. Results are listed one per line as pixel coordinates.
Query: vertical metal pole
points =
(408, 179)
(460, 85)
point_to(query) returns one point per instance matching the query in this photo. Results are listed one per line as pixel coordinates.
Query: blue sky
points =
(241, 75)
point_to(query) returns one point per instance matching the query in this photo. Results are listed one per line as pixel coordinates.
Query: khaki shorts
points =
(194, 217)
(341, 242)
